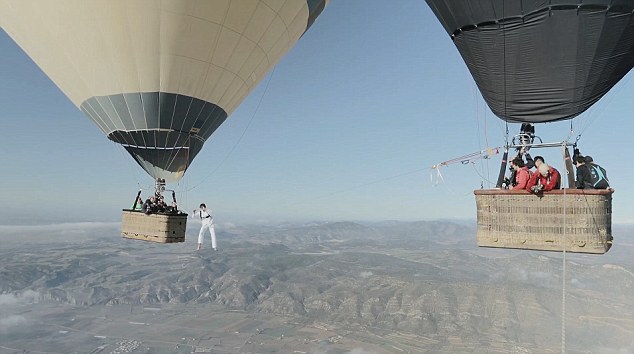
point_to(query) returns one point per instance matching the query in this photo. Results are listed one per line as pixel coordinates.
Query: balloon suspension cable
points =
(484, 179)
(182, 188)
(563, 243)
(503, 23)
(257, 109)
(576, 141)
(571, 133)
(122, 150)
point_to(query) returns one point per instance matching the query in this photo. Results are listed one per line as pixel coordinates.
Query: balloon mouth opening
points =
(155, 147)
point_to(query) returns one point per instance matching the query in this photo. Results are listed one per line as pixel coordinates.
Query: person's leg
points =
(212, 231)
(201, 235)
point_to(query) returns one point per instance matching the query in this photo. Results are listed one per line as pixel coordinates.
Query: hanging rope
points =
(563, 287)
(597, 109)
(504, 66)
(486, 140)
(485, 179)
(563, 276)
(134, 167)
(257, 108)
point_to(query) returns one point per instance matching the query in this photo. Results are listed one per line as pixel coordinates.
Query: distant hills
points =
(421, 278)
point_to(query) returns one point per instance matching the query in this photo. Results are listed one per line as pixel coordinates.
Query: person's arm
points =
(532, 181)
(522, 179)
(584, 177)
(579, 180)
(530, 163)
(552, 182)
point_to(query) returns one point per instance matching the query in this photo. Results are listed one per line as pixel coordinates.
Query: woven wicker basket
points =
(518, 219)
(161, 228)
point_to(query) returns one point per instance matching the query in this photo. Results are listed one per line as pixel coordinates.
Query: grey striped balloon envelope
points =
(157, 77)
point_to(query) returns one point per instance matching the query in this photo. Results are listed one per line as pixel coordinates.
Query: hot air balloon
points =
(157, 77)
(542, 61)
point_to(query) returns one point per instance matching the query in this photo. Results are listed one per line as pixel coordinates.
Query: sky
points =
(345, 127)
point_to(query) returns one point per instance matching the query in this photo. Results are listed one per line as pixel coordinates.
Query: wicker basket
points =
(161, 228)
(518, 219)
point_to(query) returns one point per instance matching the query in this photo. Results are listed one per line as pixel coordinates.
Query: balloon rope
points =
(506, 137)
(171, 157)
(504, 64)
(182, 188)
(157, 155)
(563, 300)
(186, 146)
(485, 179)
(257, 108)
(126, 157)
(486, 141)
(97, 119)
(120, 150)
(484, 168)
(189, 148)
(563, 280)
(595, 111)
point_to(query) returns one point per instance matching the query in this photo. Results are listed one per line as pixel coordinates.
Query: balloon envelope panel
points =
(158, 77)
(541, 61)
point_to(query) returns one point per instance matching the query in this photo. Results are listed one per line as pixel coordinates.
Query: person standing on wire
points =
(207, 224)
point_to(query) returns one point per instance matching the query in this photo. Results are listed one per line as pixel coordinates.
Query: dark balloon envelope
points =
(541, 61)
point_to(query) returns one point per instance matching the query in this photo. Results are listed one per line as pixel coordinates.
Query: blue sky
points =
(346, 127)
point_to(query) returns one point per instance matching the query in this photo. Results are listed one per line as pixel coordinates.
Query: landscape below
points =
(388, 287)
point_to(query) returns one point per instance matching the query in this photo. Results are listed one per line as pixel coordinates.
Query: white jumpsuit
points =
(208, 224)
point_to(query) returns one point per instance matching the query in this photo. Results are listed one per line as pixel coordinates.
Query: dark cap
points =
(589, 159)
(579, 159)
(518, 162)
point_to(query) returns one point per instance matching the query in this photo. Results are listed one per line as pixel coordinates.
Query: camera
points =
(506, 184)
(537, 188)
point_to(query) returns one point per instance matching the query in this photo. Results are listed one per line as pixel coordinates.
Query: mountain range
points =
(424, 279)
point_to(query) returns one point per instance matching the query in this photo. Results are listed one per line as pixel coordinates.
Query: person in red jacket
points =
(522, 173)
(546, 178)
